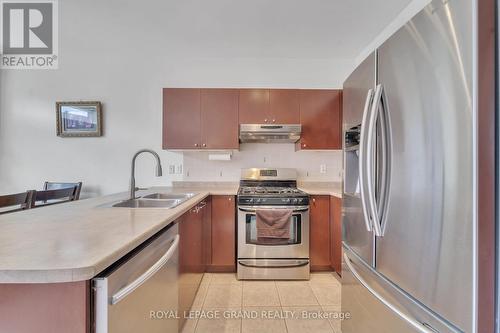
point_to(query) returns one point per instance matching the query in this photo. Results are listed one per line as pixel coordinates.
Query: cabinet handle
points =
(265, 120)
(196, 145)
(314, 200)
(274, 120)
(230, 199)
(304, 145)
(204, 145)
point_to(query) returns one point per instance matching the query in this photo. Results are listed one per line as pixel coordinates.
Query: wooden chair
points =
(52, 197)
(16, 202)
(58, 186)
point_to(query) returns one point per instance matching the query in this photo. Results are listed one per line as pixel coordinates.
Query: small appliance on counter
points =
(273, 226)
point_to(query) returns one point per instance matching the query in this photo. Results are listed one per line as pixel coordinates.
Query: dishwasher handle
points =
(123, 292)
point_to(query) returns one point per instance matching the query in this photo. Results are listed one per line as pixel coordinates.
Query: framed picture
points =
(79, 119)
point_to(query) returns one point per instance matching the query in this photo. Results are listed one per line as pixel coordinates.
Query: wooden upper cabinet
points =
(219, 118)
(321, 119)
(254, 106)
(284, 106)
(319, 232)
(200, 118)
(181, 118)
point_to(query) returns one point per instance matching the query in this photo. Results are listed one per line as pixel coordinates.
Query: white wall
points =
(198, 167)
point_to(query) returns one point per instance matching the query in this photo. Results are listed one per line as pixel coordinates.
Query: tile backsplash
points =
(310, 165)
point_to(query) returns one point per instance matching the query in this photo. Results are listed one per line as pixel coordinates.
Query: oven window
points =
(251, 232)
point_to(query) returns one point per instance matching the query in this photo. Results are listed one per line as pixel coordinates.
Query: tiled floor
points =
(229, 305)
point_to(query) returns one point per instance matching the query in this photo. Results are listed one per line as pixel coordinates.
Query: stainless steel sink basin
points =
(149, 203)
(167, 196)
(156, 200)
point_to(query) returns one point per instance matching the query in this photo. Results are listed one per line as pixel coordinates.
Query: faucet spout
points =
(132, 175)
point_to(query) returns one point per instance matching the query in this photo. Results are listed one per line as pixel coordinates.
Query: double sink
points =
(156, 200)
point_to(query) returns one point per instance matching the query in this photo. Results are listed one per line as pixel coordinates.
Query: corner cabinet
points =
(321, 119)
(200, 118)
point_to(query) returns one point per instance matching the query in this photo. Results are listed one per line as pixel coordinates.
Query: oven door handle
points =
(253, 209)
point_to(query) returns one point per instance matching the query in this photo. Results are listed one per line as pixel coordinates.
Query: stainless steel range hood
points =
(269, 133)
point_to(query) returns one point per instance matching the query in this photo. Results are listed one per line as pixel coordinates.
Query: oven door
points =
(249, 246)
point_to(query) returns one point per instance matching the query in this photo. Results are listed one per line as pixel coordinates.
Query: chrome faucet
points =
(132, 176)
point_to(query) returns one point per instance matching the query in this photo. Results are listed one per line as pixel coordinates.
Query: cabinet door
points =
(321, 119)
(319, 248)
(284, 106)
(223, 233)
(181, 118)
(219, 118)
(336, 234)
(191, 242)
(254, 106)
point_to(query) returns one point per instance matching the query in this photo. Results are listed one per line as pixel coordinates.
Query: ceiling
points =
(304, 29)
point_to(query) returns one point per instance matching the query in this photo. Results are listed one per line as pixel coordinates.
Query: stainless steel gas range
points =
(286, 258)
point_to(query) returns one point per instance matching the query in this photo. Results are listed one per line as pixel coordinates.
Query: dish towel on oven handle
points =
(273, 223)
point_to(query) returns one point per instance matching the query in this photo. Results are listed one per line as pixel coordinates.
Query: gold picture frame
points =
(79, 119)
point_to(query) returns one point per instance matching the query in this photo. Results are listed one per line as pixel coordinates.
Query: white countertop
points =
(76, 241)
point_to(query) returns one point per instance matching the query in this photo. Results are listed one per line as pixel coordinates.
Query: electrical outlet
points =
(171, 169)
(322, 168)
(179, 169)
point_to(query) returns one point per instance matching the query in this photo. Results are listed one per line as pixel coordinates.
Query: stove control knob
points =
(264, 200)
(286, 200)
(295, 200)
(257, 200)
(250, 200)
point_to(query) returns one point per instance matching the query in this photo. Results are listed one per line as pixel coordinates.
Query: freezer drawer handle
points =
(122, 293)
(413, 322)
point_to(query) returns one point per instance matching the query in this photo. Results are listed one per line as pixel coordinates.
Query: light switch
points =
(171, 169)
(179, 169)
(322, 168)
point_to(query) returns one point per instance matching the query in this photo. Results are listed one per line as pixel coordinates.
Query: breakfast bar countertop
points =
(75, 241)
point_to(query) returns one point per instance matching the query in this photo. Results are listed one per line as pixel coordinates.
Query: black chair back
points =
(16, 202)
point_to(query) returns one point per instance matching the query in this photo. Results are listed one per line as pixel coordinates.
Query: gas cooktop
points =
(270, 187)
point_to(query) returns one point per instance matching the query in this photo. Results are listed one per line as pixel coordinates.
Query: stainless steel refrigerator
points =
(409, 180)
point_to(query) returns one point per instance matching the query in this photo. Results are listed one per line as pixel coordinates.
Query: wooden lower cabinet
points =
(319, 233)
(336, 234)
(223, 234)
(45, 307)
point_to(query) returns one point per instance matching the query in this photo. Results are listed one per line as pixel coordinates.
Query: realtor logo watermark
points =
(29, 38)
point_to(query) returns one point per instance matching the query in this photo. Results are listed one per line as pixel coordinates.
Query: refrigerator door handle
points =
(385, 161)
(362, 159)
(412, 321)
(370, 159)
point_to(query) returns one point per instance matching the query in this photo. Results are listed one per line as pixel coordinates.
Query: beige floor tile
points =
(334, 313)
(200, 297)
(223, 296)
(260, 293)
(207, 277)
(189, 326)
(323, 278)
(295, 294)
(267, 320)
(327, 294)
(219, 325)
(224, 278)
(307, 320)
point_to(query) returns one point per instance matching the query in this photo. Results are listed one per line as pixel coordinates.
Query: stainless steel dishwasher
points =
(140, 294)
